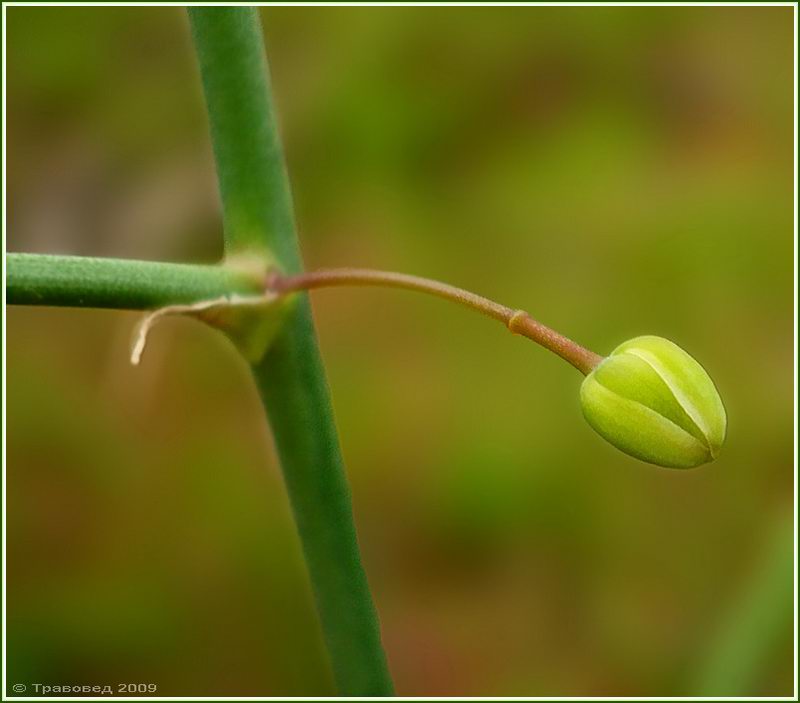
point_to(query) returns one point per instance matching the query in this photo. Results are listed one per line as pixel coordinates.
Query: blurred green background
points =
(615, 171)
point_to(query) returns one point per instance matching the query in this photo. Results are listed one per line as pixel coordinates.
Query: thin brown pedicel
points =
(517, 321)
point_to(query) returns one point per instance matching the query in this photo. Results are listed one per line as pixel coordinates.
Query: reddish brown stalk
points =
(517, 321)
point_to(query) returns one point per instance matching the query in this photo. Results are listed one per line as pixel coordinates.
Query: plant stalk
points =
(258, 217)
(517, 321)
(77, 281)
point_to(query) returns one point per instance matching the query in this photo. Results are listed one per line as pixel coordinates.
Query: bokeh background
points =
(615, 171)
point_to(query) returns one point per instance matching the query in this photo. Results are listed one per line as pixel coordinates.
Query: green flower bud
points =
(653, 401)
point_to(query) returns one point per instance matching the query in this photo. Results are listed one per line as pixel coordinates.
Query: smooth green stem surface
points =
(258, 214)
(77, 281)
(257, 210)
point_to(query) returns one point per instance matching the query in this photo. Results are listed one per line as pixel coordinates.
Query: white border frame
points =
(392, 4)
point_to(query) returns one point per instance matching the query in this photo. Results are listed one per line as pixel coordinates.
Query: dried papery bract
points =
(249, 321)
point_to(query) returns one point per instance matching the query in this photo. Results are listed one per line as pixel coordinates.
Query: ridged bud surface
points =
(653, 401)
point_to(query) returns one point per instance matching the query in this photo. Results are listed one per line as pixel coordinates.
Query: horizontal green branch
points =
(88, 282)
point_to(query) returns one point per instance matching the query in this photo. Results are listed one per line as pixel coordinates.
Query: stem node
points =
(517, 321)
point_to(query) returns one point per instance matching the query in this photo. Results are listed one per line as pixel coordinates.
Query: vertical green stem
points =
(258, 217)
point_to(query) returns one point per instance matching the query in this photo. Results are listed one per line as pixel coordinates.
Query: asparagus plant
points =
(648, 397)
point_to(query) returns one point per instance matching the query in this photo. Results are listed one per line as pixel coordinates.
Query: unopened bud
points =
(653, 401)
